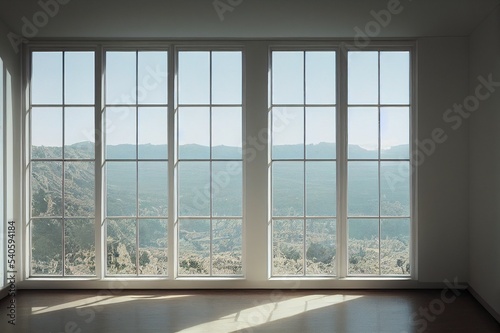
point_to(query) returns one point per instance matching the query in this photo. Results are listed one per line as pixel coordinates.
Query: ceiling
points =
(103, 19)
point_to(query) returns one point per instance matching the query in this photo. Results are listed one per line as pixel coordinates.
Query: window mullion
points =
(100, 234)
(379, 180)
(137, 163)
(172, 141)
(63, 165)
(341, 115)
(304, 223)
(211, 166)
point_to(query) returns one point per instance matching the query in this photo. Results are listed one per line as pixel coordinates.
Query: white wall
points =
(12, 125)
(442, 176)
(443, 210)
(241, 18)
(485, 166)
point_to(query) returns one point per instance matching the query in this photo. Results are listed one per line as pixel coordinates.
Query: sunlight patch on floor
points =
(268, 312)
(98, 301)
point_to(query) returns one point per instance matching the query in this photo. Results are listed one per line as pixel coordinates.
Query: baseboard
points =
(485, 304)
(312, 283)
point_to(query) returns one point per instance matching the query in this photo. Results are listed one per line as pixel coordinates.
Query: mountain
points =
(121, 190)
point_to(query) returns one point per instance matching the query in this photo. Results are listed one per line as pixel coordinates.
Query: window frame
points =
(255, 55)
(304, 105)
(210, 48)
(136, 159)
(380, 160)
(411, 47)
(28, 159)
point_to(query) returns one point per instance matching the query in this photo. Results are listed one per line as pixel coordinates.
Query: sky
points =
(298, 78)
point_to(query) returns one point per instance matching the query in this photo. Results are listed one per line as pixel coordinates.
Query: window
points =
(62, 164)
(303, 163)
(252, 164)
(209, 163)
(378, 183)
(136, 162)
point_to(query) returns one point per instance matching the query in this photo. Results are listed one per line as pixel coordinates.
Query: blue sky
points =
(290, 70)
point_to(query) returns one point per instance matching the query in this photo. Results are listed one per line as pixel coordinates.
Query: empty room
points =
(250, 166)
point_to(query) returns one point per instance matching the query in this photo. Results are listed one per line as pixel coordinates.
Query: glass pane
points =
(395, 77)
(153, 247)
(194, 188)
(363, 247)
(121, 199)
(226, 133)
(395, 132)
(395, 246)
(152, 80)
(194, 133)
(153, 188)
(320, 133)
(46, 247)
(321, 249)
(194, 77)
(121, 247)
(152, 128)
(79, 242)
(79, 189)
(46, 133)
(226, 77)
(362, 77)
(288, 132)
(46, 78)
(227, 249)
(288, 77)
(121, 80)
(79, 72)
(288, 188)
(79, 134)
(395, 188)
(46, 189)
(362, 189)
(288, 247)
(320, 77)
(321, 189)
(363, 133)
(194, 247)
(120, 132)
(227, 192)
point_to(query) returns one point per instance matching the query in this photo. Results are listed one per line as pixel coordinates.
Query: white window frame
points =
(27, 158)
(379, 159)
(256, 200)
(335, 160)
(103, 159)
(175, 143)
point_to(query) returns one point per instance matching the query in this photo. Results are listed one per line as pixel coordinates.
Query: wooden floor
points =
(79, 311)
